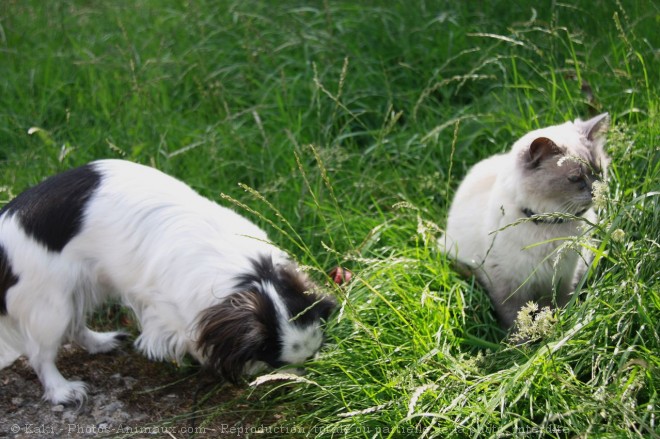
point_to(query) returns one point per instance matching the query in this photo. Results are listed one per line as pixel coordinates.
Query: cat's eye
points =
(574, 178)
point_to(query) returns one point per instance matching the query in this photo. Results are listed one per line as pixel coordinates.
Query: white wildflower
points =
(618, 235)
(599, 191)
(533, 323)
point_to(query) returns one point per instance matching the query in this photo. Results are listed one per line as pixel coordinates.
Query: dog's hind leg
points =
(43, 328)
(10, 342)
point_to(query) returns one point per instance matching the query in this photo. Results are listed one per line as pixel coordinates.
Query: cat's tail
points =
(10, 343)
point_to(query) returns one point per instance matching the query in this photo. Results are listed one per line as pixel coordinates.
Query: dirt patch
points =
(128, 395)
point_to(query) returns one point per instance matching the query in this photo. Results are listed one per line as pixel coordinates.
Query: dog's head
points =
(275, 317)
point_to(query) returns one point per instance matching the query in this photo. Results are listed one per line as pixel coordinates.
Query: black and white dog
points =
(201, 279)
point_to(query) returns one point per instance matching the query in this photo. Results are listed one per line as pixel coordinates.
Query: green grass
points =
(352, 124)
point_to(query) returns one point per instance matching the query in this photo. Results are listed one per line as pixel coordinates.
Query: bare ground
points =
(128, 395)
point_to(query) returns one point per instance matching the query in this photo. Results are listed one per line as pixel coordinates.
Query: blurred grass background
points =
(352, 124)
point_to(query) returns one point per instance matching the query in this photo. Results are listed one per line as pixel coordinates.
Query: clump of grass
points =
(415, 367)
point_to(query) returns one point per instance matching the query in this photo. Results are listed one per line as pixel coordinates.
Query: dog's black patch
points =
(52, 211)
(7, 279)
(244, 327)
(296, 291)
(240, 329)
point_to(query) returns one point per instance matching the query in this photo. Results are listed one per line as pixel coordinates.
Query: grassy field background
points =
(343, 128)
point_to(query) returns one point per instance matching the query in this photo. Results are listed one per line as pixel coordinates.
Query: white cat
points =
(548, 170)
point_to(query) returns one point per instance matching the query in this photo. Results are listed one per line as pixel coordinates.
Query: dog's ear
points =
(235, 332)
(302, 290)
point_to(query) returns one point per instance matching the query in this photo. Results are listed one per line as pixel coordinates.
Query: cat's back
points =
(468, 211)
(476, 189)
(480, 179)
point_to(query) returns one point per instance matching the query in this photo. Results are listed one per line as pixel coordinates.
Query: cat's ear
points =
(540, 149)
(594, 128)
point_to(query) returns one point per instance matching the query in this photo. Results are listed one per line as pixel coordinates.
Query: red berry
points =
(340, 275)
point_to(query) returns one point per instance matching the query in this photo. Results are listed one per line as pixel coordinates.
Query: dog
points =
(201, 279)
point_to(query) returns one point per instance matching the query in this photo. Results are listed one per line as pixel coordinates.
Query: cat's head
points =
(559, 164)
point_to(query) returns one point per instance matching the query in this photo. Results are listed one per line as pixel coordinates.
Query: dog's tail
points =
(9, 343)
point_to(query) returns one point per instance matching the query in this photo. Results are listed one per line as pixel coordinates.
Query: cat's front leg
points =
(571, 277)
(581, 267)
(506, 299)
(506, 293)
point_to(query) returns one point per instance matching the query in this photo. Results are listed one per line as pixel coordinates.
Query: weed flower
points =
(525, 317)
(279, 376)
(533, 323)
(599, 192)
(427, 229)
(417, 394)
(401, 205)
(363, 412)
(571, 158)
(618, 235)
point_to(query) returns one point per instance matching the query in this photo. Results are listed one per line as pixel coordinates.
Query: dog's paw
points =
(114, 340)
(71, 393)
